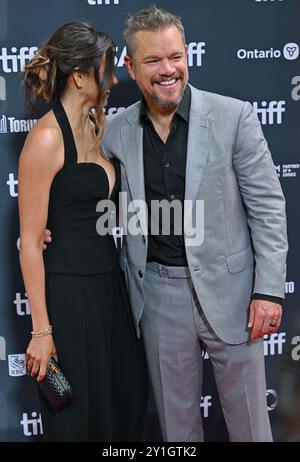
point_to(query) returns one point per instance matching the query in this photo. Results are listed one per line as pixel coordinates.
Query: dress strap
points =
(69, 142)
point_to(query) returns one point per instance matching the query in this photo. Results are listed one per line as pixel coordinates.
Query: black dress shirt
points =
(164, 170)
(164, 167)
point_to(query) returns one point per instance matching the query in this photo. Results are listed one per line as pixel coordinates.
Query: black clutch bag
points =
(55, 386)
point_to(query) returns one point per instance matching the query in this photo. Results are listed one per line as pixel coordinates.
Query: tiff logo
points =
(195, 50)
(16, 61)
(273, 344)
(271, 112)
(296, 89)
(13, 185)
(205, 404)
(22, 305)
(103, 2)
(32, 427)
(2, 349)
(2, 89)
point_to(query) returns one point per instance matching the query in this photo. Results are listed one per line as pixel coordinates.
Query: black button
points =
(141, 274)
(167, 164)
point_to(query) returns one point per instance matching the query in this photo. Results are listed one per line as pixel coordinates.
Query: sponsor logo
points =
(205, 405)
(15, 60)
(295, 353)
(2, 349)
(13, 125)
(296, 90)
(12, 185)
(290, 52)
(3, 124)
(2, 89)
(272, 399)
(16, 365)
(32, 426)
(287, 170)
(273, 344)
(103, 2)
(270, 113)
(22, 305)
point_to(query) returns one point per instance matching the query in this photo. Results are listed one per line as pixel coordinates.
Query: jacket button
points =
(141, 274)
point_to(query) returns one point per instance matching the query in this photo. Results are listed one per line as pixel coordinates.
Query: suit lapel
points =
(132, 144)
(197, 146)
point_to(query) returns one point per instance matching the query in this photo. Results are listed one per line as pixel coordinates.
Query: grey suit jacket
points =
(230, 169)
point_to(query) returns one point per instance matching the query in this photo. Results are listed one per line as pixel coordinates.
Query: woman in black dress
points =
(79, 304)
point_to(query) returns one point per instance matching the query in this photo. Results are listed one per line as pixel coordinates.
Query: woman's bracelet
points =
(42, 333)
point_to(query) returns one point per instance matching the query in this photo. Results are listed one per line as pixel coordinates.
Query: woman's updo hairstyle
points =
(74, 46)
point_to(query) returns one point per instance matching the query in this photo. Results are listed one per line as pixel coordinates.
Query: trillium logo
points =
(272, 399)
(291, 51)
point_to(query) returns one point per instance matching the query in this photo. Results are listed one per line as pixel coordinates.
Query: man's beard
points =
(166, 103)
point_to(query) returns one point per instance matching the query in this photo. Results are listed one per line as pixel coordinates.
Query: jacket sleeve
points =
(264, 204)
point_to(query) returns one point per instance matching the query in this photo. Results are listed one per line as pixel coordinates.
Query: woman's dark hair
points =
(74, 46)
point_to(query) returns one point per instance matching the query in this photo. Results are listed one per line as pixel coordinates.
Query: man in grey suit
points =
(226, 289)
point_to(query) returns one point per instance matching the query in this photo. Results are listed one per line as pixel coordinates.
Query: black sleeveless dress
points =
(89, 309)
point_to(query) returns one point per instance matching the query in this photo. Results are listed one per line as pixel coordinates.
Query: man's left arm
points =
(265, 207)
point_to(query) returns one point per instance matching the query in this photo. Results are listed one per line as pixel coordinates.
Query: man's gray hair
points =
(150, 19)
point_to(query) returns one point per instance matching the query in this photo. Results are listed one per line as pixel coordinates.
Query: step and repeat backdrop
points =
(248, 49)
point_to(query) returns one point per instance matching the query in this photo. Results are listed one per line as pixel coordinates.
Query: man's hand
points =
(47, 238)
(264, 318)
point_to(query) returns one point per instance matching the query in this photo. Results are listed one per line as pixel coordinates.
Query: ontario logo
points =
(290, 52)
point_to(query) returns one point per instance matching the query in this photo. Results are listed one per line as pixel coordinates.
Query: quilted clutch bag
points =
(55, 386)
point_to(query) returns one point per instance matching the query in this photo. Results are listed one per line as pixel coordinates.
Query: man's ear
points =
(78, 79)
(130, 66)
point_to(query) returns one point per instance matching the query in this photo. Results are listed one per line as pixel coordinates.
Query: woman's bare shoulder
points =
(44, 142)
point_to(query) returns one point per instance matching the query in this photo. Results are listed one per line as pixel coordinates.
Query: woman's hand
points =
(37, 355)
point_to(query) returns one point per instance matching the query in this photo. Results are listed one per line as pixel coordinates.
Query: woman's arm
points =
(40, 160)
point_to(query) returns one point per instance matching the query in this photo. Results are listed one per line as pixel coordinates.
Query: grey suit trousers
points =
(173, 325)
